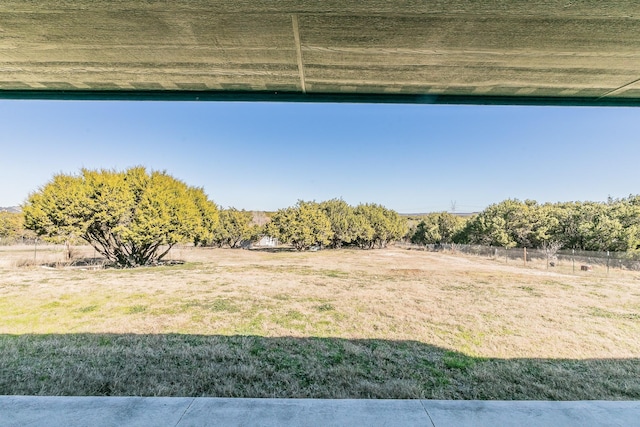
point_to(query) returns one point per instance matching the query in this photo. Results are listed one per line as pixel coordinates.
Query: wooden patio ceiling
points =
(449, 51)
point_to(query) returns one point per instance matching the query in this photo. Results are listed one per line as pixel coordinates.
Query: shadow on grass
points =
(252, 366)
(273, 250)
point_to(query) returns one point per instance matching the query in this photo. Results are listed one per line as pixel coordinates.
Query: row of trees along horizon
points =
(134, 217)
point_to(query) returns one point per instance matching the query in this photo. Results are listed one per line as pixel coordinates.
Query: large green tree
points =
(439, 227)
(209, 216)
(508, 224)
(627, 212)
(234, 227)
(11, 226)
(302, 225)
(592, 226)
(386, 224)
(344, 222)
(132, 217)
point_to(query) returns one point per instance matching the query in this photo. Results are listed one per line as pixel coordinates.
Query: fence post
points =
(547, 260)
(573, 259)
(525, 257)
(607, 262)
(35, 250)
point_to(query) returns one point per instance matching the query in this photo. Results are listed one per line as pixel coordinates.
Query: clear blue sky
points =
(265, 156)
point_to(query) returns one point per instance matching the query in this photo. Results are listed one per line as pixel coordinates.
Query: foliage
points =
(438, 228)
(234, 227)
(302, 225)
(364, 232)
(345, 226)
(336, 223)
(11, 225)
(209, 216)
(386, 225)
(126, 216)
(610, 226)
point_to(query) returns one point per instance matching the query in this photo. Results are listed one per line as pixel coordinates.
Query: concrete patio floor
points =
(185, 411)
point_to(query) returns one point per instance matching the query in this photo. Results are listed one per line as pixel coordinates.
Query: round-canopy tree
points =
(11, 224)
(133, 218)
(302, 225)
(234, 227)
(385, 225)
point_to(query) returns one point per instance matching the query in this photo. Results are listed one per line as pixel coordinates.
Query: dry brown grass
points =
(348, 323)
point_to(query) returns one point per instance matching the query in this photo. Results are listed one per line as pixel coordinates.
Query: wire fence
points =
(563, 259)
(11, 241)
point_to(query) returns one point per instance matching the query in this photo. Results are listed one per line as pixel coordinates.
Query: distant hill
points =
(12, 209)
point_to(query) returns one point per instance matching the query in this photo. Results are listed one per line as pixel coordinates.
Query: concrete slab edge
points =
(206, 411)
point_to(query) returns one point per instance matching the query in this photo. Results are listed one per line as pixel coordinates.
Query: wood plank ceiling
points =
(514, 52)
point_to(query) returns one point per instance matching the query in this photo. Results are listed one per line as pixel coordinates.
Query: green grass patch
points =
(253, 325)
(290, 319)
(458, 361)
(325, 307)
(52, 304)
(335, 273)
(216, 305)
(88, 309)
(606, 314)
(135, 309)
(224, 305)
(530, 290)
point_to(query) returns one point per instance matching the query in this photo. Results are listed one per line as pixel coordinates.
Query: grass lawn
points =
(334, 324)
